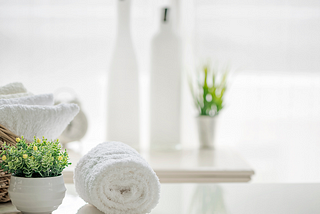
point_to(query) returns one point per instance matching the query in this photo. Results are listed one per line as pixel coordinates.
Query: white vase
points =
(165, 92)
(37, 195)
(206, 131)
(123, 84)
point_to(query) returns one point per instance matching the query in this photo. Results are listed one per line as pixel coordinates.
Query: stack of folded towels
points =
(33, 115)
(114, 178)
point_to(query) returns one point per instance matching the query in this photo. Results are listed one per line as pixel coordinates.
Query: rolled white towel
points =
(41, 99)
(117, 180)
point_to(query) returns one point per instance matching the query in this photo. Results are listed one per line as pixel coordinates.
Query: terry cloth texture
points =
(12, 88)
(41, 99)
(10, 96)
(39, 121)
(114, 178)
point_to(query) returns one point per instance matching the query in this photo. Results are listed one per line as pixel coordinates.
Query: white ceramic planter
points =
(206, 131)
(37, 195)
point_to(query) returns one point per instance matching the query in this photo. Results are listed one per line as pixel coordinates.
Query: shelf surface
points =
(245, 198)
(189, 166)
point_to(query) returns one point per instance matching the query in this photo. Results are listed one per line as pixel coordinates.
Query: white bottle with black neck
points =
(165, 84)
(123, 84)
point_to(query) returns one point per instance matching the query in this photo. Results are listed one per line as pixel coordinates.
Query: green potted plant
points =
(36, 185)
(208, 94)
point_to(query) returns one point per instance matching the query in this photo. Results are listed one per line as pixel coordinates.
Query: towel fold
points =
(17, 95)
(41, 99)
(30, 121)
(12, 88)
(117, 180)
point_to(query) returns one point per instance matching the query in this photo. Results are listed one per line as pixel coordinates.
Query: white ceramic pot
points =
(37, 195)
(206, 131)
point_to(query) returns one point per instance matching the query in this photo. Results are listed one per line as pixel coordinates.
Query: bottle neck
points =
(167, 26)
(124, 14)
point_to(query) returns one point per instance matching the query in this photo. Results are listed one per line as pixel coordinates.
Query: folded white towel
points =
(39, 121)
(117, 180)
(10, 96)
(41, 99)
(12, 88)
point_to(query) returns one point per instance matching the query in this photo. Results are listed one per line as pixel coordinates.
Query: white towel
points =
(41, 99)
(114, 178)
(39, 121)
(12, 88)
(10, 96)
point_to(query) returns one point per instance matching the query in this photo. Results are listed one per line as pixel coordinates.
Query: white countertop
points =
(213, 198)
(189, 166)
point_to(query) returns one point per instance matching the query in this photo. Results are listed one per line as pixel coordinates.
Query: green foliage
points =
(41, 158)
(209, 91)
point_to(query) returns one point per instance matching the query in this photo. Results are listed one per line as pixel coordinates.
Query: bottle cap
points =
(165, 14)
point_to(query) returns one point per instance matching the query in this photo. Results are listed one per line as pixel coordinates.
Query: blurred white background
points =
(272, 114)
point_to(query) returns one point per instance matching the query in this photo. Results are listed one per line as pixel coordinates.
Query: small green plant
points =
(40, 158)
(209, 91)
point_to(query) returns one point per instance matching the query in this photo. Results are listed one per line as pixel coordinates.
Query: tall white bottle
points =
(123, 84)
(165, 92)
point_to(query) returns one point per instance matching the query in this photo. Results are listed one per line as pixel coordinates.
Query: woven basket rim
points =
(10, 138)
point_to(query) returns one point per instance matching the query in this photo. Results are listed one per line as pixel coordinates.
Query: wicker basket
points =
(10, 139)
